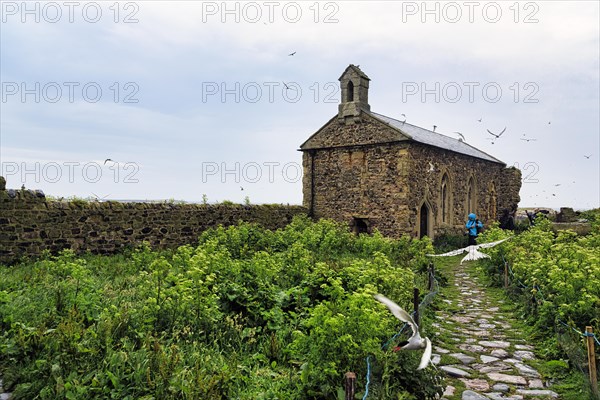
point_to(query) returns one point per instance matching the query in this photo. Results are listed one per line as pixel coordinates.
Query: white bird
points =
(498, 135)
(431, 168)
(98, 198)
(415, 342)
(472, 251)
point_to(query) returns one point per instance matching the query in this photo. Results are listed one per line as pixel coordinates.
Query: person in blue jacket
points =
(474, 226)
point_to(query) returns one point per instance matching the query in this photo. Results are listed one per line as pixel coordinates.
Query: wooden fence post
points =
(505, 275)
(431, 276)
(416, 304)
(592, 359)
(349, 385)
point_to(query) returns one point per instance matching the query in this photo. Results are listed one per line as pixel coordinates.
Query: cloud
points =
(175, 52)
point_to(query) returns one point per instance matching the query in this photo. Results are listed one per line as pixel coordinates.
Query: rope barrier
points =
(582, 334)
(368, 378)
(396, 335)
(538, 291)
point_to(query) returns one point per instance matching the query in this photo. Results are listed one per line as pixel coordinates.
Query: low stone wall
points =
(581, 228)
(30, 224)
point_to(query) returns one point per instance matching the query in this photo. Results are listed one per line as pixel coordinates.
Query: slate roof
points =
(431, 138)
(403, 131)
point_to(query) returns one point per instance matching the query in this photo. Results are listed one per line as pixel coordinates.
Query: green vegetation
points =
(555, 280)
(245, 314)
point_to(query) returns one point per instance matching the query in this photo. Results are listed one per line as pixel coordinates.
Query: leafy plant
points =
(246, 313)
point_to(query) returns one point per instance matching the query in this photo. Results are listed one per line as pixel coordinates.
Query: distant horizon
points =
(209, 202)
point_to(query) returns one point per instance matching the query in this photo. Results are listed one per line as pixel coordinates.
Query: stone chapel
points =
(376, 172)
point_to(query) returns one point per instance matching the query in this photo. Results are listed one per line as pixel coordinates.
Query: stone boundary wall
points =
(30, 224)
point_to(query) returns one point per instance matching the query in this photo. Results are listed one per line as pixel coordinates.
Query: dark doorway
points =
(360, 226)
(424, 221)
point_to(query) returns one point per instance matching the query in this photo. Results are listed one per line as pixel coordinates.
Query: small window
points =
(350, 89)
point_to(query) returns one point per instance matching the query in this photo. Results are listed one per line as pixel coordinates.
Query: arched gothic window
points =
(471, 203)
(350, 91)
(445, 199)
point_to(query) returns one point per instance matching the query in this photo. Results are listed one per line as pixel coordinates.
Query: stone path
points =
(3, 396)
(482, 356)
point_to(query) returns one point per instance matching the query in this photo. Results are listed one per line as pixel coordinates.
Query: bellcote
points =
(354, 85)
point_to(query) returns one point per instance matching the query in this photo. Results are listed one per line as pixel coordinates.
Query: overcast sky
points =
(189, 98)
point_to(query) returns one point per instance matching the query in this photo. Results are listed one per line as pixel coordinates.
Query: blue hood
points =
(472, 217)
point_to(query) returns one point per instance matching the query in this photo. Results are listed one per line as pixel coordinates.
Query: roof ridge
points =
(487, 156)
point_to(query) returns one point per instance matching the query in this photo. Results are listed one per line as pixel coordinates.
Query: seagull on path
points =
(473, 252)
(415, 342)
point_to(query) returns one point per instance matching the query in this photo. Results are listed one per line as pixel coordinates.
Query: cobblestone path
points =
(482, 356)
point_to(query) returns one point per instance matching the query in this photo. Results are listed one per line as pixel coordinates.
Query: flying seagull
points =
(98, 198)
(472, 251)
(498, 135)
(588, 157)
(108, 159)
(292, 54)
(431, 168)
(528, 139)
(461, 136)
(415, 342)
(479, 119)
